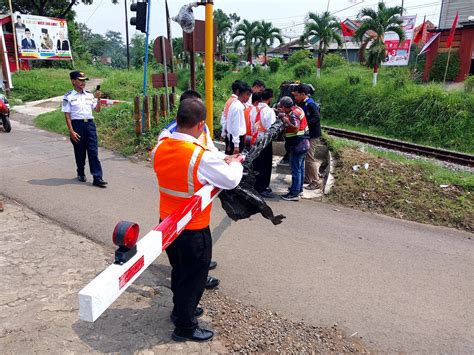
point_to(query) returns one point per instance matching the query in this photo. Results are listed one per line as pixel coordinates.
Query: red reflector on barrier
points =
(127, 275)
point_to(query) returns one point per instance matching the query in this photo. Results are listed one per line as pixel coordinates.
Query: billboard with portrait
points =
(399, 53)
(41, 37)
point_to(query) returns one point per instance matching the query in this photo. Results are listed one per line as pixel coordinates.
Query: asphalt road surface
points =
(401, 286)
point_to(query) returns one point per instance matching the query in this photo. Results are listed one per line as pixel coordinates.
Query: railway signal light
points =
(139, 21)
(125, 236)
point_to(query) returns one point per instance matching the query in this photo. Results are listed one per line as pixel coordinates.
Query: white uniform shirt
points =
(79, 104)
(165, 132)
(224, 116)
(212, 169)
(236, 121)
(267, 116)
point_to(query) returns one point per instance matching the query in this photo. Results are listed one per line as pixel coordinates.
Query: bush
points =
(353, 79)
(469, 83)
(274, 64)
(298, 57)
(333, 60)
(233, 58)
(303, 70)
(220, 68)
(439, 67)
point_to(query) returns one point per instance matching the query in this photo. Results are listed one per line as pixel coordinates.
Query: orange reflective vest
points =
(176, 164)
(229, 102)
(298, 114)
(251, 135)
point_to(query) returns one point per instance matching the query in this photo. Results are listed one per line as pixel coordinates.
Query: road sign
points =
(158, 49)
(199, 38)
(159, 80)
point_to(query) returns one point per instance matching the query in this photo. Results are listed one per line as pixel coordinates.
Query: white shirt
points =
(212, 169)
(165, 132)
(267, 116)
(79, 104)
(224, 116)
(236, 121)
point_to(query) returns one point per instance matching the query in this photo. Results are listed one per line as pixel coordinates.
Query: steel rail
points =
(440, 154)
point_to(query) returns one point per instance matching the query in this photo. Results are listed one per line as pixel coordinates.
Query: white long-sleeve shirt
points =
(236, 121)
(212, 169)
(267, 116)
(170, 128)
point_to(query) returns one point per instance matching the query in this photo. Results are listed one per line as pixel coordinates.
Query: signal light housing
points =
(140, 20)
(125, 236)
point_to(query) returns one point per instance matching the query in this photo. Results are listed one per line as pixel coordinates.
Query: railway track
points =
(440, 154)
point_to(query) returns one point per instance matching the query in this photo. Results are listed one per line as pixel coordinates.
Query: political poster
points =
(41, 37)
(399, 53)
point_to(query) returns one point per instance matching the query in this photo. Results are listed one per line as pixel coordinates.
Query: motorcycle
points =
(5, 113)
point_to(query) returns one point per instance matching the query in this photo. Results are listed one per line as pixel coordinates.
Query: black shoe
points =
(212, 282)
(99, 183)
(212, 265)
(267, 194)
(196, 334)
(198, 313)
(81, 178)
(268, 189)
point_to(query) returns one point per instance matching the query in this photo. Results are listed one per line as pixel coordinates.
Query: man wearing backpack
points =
(311, 110)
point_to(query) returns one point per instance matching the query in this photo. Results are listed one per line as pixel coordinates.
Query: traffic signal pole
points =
(209, 63)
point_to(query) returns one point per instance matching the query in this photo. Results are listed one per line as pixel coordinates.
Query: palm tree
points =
(246, 34)
(266, 36)
(224, 24)
(371, 33)
(323, 28)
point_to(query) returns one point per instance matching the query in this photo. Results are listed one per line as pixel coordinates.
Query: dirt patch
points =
(399, 190)
(248, 329)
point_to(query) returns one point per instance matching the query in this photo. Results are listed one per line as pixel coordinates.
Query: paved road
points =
(402, 286)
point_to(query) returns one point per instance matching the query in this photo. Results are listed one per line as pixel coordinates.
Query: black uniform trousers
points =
(86, 145)
(263, 166)
(229, 145)
(189, 255)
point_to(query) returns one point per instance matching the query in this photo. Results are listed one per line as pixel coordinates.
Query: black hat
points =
(78, 75)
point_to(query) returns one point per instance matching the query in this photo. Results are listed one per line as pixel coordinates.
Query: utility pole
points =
(126, 36)
(403, 1)
(168, 30)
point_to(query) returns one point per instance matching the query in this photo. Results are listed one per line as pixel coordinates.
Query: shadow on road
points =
(54, 182)
(128, 330)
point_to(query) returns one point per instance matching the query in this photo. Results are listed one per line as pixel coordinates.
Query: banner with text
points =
(399, 53)
(41, 37)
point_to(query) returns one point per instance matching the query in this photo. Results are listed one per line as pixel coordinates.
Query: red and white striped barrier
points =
(112, 102)
(102, 291)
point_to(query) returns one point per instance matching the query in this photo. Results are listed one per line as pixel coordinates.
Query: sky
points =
(288, 15)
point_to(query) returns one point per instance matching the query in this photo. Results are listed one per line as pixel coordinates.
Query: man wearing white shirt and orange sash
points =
(183, 165)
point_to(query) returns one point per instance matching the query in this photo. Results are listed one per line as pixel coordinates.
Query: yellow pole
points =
(209, 63)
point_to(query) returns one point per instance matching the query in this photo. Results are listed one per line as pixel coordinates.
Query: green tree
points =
(178, 50)
(224, 25)
(246, 34)
(266, 36)
(324, 29)
(371, 33)
(137, 50)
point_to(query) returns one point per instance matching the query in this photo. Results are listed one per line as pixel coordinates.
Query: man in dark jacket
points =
(313, 118)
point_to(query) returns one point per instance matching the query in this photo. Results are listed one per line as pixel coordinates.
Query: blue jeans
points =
(297, 172)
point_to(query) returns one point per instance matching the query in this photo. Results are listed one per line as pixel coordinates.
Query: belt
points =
(83, 120)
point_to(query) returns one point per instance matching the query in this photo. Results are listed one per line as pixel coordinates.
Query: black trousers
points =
(87, 145)
(229, 145)
(263, 165)
(189, 256)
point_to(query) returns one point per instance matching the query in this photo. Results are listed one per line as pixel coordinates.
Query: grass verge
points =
(396, 186)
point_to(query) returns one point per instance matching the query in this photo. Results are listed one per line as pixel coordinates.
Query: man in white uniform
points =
(235, 125)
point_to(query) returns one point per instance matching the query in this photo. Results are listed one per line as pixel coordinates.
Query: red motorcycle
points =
(5, 114)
